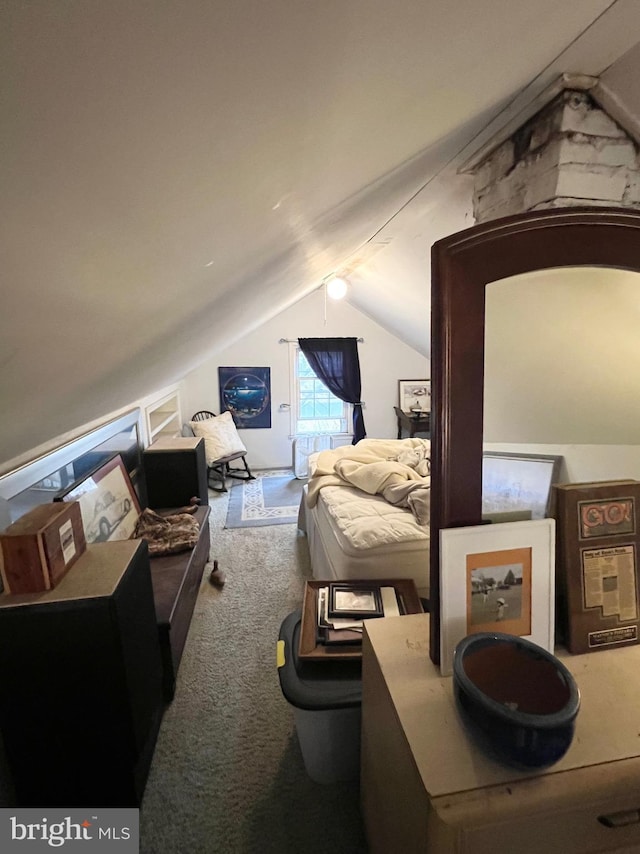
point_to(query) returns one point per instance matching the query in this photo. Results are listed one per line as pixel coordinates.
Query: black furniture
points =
(220, 470)
(413, 423)
(175, 471)
(81, 682)
(176, 581)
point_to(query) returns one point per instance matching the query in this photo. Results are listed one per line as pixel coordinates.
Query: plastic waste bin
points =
(327, 698)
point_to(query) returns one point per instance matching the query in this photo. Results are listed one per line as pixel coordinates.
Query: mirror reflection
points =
(562, 369)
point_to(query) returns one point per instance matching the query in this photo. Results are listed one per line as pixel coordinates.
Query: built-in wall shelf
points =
(164, 417)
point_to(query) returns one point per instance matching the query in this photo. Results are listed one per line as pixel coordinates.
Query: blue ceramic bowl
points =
(518, 701)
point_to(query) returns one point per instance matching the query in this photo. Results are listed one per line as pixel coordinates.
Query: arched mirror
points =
(562, 369)
(498, 254)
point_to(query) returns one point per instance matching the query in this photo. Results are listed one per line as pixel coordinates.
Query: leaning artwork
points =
(497, 578)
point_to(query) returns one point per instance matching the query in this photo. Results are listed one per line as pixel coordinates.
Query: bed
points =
(365, 511)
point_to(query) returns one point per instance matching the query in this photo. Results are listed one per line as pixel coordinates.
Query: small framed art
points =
(414, 395)
(497, 578)
(346, 600)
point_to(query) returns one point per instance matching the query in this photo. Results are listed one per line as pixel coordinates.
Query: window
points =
(314, 408)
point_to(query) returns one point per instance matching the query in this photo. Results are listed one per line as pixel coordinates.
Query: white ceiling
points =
(175, 172)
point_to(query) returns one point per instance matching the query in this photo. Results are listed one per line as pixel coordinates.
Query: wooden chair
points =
(220, 470)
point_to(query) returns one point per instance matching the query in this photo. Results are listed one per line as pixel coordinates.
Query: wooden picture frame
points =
(108, 502)
(498, 578)
(514, 482)
(414, 395)
(598, 536)
(357, 601)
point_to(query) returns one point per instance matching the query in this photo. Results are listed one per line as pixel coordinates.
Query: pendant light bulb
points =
(336, 288)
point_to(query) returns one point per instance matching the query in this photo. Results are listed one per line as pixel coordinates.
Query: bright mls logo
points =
(28, 830)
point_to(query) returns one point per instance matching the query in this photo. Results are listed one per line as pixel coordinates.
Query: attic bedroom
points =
(183, 182)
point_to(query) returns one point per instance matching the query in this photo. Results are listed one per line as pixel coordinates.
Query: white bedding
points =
(396, 469)
(355, 535)
(369, 521)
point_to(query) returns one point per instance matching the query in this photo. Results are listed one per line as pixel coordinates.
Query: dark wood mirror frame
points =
(462, 265)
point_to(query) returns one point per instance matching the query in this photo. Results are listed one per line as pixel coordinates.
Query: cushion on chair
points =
(220, 437)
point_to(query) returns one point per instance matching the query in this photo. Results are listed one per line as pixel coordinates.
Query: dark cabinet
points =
(81, 682)
(175, 471)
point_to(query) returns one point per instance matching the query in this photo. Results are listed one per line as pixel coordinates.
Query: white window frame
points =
(294, 397)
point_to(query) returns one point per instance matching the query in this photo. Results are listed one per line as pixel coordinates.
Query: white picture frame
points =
(483, 564)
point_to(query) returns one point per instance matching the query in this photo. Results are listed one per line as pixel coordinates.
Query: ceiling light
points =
(336, 288)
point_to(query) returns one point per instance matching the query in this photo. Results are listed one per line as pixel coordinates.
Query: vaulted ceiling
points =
(176, 172)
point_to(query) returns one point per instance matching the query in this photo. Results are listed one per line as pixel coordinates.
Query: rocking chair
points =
(220, 470)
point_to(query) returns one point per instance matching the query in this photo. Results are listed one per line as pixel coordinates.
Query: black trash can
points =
(326, 697)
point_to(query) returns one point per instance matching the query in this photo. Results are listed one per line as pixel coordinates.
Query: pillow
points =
(220, 437)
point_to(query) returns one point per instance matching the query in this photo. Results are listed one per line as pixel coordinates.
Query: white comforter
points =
(396, 469)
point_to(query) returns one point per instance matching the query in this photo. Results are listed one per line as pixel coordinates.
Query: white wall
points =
(384, 360)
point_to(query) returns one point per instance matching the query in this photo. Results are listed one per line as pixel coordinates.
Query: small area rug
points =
(273, 498)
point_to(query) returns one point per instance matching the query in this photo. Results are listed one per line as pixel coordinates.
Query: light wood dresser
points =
(425, 787)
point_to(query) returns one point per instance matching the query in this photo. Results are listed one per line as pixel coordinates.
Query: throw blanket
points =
(397, 469)
(167, 534)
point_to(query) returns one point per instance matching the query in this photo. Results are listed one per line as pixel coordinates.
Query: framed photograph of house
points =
(519, 482)
(497, 578)
(108, 502)
(414, 395)
(246, 394)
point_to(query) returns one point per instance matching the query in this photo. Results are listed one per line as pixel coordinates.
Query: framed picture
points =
(513, 482)
(597, 594)
(108, 503)
(414, 395)
(246, 394)
(346, 600)
(497, 578)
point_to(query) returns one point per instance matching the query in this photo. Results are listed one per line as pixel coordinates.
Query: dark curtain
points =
(335, 361)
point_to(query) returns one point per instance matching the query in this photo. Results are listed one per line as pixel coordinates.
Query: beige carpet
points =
(227, 775)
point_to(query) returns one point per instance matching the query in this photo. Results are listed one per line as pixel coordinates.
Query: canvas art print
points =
(246, 394)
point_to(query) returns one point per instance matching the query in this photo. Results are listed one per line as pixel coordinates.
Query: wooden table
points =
(426, 787)
(412, 423)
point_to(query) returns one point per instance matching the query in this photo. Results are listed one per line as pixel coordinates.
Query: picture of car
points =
(109, 511)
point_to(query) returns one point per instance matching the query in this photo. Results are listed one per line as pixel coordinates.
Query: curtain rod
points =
(295, 340)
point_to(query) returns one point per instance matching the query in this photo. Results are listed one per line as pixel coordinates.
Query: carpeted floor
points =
(272, 498)
(227, 775)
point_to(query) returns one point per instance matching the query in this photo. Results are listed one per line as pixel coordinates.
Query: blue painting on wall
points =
(246, 394)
